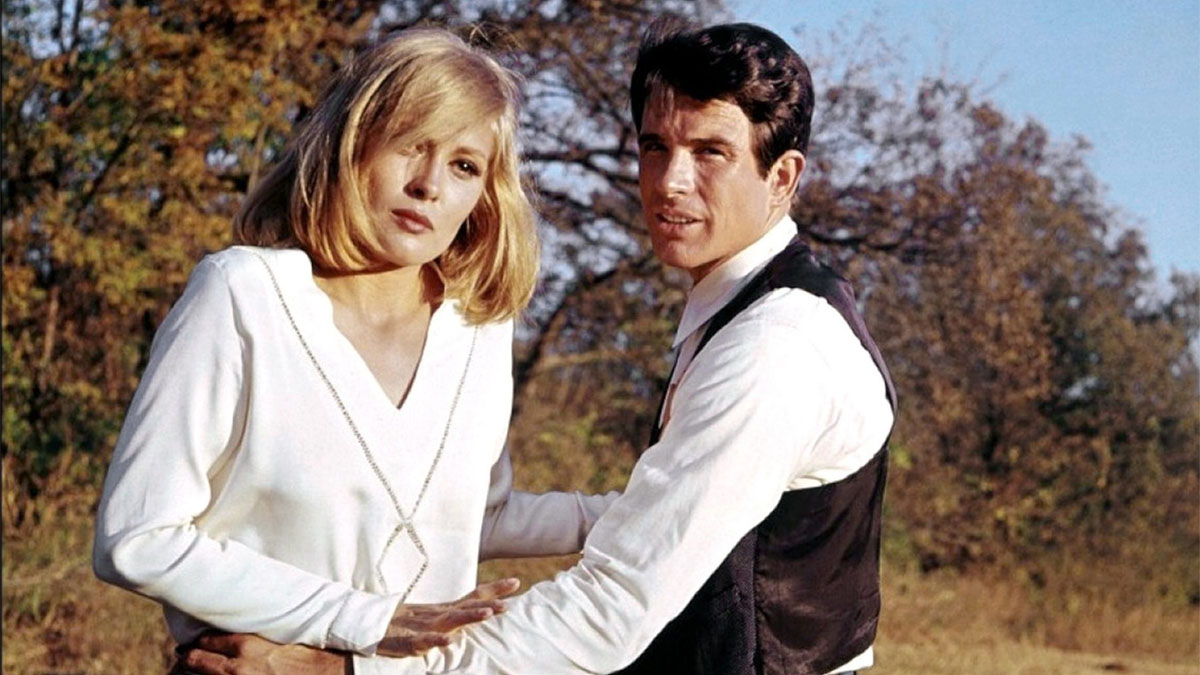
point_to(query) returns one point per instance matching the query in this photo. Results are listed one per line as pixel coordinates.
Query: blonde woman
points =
(316, 445)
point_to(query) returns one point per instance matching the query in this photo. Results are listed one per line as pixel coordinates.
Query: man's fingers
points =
(496, 606)
(417, 628)
(411, 645)
(443, 619)
(204, 662)
(414, 616)
(457, 618)
(494, 590)
(220, 643)
(426, 641)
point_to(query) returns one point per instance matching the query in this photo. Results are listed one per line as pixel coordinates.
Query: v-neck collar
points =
(348, 354)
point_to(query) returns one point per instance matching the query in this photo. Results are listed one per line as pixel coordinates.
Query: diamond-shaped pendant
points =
(403, 561)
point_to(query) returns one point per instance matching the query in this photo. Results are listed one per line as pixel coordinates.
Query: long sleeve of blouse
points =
(180, 434)
(519, 524)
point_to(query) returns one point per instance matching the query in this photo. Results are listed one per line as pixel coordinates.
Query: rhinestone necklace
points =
(405, 525)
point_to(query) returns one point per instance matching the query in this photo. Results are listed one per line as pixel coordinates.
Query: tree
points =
(129, 134)
(1048, 387)
(133, 128)
(1047, 390)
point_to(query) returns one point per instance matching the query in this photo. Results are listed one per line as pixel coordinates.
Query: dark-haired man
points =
(747, 540)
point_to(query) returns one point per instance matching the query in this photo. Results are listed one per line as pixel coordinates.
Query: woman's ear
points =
(785, 176)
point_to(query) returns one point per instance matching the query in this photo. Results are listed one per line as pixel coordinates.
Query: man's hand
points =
(413, 630)
(241, 654)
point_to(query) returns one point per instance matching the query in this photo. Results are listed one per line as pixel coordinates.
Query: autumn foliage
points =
(1048, 381)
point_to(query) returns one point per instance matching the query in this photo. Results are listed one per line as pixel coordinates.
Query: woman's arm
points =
(520, 524)
(181, 433)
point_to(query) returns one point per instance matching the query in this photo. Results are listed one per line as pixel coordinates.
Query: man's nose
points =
(424, 182)
(679, 173)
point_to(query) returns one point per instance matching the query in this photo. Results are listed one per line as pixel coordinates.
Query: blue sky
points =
(1123, 74)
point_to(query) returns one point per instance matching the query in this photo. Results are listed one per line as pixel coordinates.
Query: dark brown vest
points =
(799, 594)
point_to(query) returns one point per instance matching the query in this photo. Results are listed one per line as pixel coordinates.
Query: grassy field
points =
(951, 625)
(59, 620)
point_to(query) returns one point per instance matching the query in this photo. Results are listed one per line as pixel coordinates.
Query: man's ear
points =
(785, 176)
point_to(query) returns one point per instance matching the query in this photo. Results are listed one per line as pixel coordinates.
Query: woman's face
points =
(419, 197)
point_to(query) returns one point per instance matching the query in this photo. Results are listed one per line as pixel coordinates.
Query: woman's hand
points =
(415, 629)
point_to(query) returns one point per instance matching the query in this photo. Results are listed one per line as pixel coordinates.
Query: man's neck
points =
(699, 273)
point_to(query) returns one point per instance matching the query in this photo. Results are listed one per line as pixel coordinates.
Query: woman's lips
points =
(411, 221)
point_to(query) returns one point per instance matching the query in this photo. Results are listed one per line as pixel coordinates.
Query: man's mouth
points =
(674, 220)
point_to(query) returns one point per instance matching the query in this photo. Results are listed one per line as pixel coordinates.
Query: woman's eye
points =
(466, 168)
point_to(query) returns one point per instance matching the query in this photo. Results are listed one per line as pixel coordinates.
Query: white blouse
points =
(263, 482)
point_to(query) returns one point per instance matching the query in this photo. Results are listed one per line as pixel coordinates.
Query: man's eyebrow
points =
(709, 141)
(702, 141)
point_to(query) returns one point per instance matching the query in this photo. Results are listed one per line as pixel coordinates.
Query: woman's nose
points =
(425, 181)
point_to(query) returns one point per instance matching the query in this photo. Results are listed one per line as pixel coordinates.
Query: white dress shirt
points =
(240, 497)
(784, 397)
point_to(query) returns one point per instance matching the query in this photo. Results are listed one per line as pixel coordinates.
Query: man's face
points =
(703, 197)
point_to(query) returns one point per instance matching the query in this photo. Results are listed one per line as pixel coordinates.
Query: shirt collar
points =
(720, 285)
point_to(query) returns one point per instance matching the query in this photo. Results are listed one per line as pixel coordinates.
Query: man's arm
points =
(748, 413)
(414, 630)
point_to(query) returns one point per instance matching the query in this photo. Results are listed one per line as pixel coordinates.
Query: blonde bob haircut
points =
(411, 88)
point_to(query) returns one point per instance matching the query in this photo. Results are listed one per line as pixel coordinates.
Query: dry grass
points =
(1013, 658)
(984, 625)
(58, 619)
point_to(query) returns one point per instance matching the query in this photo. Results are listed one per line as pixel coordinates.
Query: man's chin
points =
(672, 253)
(678, 255)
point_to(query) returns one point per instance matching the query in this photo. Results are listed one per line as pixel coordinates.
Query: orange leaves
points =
(126, 152)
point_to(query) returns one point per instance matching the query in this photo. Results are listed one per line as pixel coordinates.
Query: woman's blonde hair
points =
(413, 87)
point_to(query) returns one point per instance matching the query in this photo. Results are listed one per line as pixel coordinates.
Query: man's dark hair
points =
(744, 64)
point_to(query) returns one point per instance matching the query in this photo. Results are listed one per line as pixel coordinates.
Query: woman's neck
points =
(382, 296)
(386, 317)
